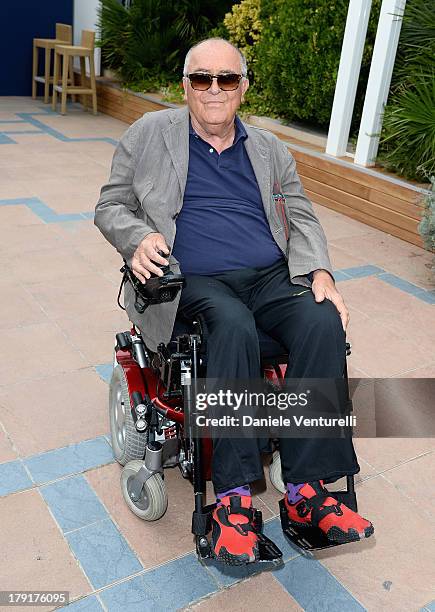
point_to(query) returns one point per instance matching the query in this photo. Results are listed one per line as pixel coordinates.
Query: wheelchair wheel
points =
(127, 443)
(153, 499)
(275, 474)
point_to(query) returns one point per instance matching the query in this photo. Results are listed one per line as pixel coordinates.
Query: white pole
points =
(85, 18)
(347, 78)
(378, 86)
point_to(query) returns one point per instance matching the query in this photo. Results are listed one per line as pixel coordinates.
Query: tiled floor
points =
(63, 521)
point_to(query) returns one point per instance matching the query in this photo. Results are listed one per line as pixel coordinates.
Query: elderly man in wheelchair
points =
(226, 275)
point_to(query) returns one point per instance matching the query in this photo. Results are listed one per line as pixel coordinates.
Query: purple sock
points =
(244, 490)
(293, 494)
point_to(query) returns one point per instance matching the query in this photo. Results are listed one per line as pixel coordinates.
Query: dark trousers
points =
(233, 305)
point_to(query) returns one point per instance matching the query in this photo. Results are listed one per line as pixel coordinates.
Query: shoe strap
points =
(236, 507)
(318, 509)
(223, 513)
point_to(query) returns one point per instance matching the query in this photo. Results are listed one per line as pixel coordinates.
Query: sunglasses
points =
(201, 81)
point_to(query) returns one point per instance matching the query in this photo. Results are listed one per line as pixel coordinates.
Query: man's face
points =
(214, 106)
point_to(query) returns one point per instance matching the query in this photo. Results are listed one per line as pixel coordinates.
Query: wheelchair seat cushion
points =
(271, 350)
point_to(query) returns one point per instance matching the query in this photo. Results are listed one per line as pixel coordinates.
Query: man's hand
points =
(147, 252)
(324, 287)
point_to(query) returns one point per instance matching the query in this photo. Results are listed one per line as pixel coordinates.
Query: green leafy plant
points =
(140, 41)
(408, 137)
(244, 26)
(150, 39)
(409, 128)
(172, 92)
(426, 226)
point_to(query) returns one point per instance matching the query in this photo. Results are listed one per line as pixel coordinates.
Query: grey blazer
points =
(145, 193)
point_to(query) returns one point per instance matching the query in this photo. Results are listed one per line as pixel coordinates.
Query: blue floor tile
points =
(166, 588)
(67, 217)
(340, 276)
(362, 271)
(13, 477)
(11, 121)
(48, 130)
(430, 606)
(105, 371)
(19, 132)
(69, 460)
(103, 553)
(44, 212)
(6, 140)
(29, 118)
(426, 296)
(73, 503)
(87, 604)
(314, 588)
(400, 283)
(111, 141)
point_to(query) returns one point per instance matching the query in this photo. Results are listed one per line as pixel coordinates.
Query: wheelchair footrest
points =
(304, 537)
(201, 526)
(268, 550)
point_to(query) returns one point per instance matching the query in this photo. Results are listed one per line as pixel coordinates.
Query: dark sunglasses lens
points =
(227, 82)
(200, 81)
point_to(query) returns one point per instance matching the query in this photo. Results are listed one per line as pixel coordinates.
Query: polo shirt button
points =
(211, 150)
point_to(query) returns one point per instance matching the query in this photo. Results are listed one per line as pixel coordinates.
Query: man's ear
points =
(245, 85)
(185, 84)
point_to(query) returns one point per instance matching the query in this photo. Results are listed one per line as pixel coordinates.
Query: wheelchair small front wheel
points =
(275, 473)
(127, 443)
(153, 500)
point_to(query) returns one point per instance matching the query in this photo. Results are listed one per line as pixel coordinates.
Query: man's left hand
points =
(323, 287)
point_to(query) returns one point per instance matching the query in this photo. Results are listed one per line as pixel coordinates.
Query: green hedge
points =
(298, 54)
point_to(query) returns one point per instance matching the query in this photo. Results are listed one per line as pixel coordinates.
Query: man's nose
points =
(214, 89)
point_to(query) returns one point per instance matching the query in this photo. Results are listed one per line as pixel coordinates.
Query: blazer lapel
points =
(176, 138)
(260, 160)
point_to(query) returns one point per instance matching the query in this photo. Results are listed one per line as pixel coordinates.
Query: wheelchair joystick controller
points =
(157, 289)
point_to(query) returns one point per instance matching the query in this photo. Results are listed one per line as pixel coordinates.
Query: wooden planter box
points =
(369, 195)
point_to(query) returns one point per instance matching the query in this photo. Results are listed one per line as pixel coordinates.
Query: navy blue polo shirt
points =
(222, 225)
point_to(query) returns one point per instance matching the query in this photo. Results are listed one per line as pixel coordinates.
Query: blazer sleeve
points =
(116, 210)
(307, 248)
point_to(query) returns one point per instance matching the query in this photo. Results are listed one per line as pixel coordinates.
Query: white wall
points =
(85, 18)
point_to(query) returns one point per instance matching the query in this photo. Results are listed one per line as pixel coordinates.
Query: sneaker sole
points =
(338, 535)
(230, 559)
(335, 534)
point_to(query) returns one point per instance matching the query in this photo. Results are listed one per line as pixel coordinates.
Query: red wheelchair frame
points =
(154, 408)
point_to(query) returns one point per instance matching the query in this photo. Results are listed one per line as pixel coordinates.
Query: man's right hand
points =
(147, 253)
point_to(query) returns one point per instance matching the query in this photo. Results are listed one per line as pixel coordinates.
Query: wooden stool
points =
(63, 35)
(65, 53)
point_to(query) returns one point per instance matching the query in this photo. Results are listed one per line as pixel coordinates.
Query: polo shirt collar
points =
(240, 130)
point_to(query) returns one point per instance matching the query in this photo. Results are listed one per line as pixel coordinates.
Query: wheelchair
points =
(148, 395)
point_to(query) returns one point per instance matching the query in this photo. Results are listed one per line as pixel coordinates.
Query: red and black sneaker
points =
(318, 508)
(234, 539)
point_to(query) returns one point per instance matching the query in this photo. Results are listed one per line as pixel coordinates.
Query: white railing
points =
(381, 69)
